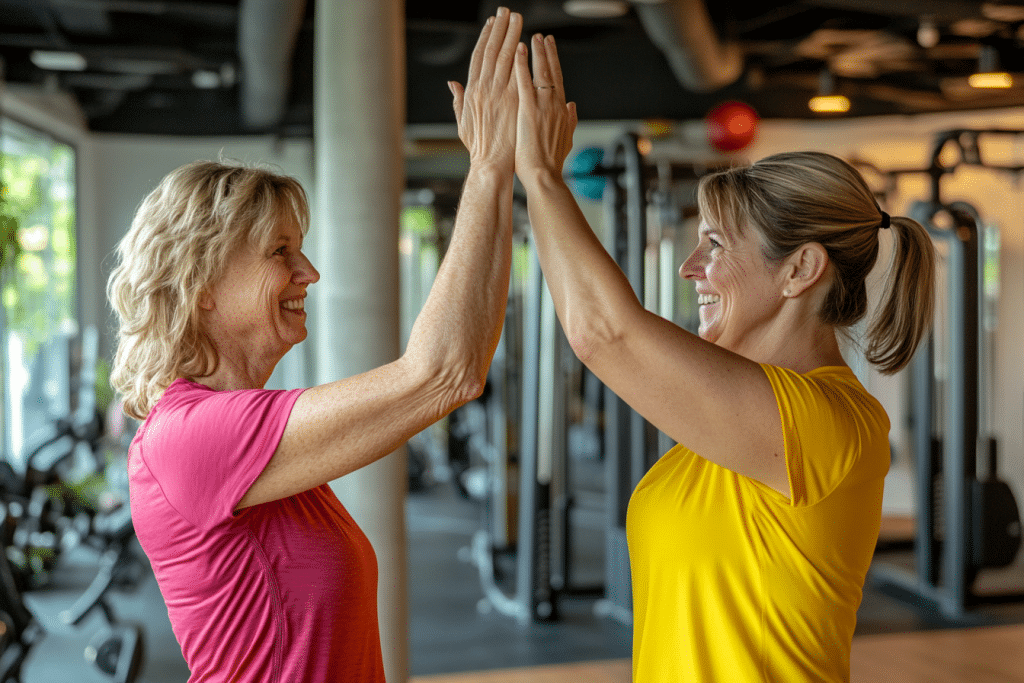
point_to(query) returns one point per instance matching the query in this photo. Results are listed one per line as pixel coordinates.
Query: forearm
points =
(591, 294)
(456, 332)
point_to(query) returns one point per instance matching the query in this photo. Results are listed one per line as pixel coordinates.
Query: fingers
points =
(541, 68)
(523, 78)
(495, 41)
(457, 99)
(554, 66)
(495, 50)
(476, 61)
(506, 55)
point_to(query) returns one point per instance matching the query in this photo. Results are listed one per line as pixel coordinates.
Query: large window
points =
(38, 302)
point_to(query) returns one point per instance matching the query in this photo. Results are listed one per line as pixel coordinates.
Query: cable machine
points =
(965, 522)
(523, 442)
(631, 445)
(566, 449)
(625, 431)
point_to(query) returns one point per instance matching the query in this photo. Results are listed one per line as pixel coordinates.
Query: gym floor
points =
(449, 633)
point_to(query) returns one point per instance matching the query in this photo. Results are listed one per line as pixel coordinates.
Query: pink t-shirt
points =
(284, 591)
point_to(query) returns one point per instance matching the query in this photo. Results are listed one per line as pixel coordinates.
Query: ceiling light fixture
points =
(826, 101)
(989, 75)
(927, 33)
(204, 79)
(829, 104)
(595, 9)
(58, 60)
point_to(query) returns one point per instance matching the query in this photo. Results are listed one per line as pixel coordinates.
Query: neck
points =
(802, 351)
(238, 370)
(795, 339)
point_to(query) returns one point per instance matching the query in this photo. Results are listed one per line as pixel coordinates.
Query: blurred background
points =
(501, 528)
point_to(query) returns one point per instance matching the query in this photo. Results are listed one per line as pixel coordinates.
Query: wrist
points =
(540, 179)
(491, 169)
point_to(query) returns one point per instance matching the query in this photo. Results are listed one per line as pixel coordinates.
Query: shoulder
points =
(831, 427)
(188, 409)
(825, 390)
(828, 410)
(187, 395)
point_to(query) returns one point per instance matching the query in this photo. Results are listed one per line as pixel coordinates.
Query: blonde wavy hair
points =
(798, 197)
(179, 242)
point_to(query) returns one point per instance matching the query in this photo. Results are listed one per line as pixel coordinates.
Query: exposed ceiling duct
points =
(237, 67)
(684, 32)
(267, 30)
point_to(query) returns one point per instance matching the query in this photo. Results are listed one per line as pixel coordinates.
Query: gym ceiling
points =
(195, 67)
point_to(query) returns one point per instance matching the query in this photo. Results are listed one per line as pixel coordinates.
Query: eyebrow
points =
(287, 240)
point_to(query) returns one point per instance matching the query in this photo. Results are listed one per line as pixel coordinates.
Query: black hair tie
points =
(885, 221)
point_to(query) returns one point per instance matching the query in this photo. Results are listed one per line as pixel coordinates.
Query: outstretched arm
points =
(337, 428)
(713, 401)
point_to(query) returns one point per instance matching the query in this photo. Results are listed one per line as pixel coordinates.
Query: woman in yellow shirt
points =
(750, 540)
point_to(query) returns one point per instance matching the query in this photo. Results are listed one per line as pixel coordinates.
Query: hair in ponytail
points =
(798, 197)
(908, 298)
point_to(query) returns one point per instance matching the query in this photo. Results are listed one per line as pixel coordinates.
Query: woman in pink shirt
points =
(265, 574)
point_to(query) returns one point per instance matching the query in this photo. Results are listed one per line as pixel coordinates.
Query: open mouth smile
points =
(294, 305)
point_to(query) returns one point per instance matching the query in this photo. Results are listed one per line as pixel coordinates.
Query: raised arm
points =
(337, 428)
(715, 402)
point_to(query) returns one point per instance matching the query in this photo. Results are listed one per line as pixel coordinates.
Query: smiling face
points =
(256, 307)
(739, 291)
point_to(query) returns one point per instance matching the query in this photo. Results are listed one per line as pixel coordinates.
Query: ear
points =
(804, 268)
(206, 300)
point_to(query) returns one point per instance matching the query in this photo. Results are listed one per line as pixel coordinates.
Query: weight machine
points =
(568, 421)
(965, 523)
(42, 518)
(640, 188)
(525, 437)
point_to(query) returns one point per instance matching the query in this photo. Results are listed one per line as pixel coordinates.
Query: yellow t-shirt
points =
(732, 581)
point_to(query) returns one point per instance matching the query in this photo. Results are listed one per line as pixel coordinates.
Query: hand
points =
(486, 109)
(546, 122)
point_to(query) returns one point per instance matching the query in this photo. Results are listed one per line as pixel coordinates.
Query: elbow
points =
(459, 389)
(464, 380)
(472, 390)
(583, 346)
(592, 338)
(450, 385)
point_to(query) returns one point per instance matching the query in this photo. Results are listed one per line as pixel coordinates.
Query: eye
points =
(281, 250)
(715, 244)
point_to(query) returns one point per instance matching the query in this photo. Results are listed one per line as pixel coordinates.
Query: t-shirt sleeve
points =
(826, 428)
(205, 452)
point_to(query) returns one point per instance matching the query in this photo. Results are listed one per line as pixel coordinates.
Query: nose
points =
(303, 272)
(693, 267)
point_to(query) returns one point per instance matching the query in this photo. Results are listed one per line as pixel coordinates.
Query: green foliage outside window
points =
(37, 270)
(37, 278)
(9, 247)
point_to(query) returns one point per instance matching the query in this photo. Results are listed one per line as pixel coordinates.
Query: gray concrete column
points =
(359, 120)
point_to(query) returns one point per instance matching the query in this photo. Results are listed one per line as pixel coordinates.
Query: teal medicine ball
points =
(583, 179)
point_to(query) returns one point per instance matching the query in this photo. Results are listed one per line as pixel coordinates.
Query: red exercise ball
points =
(731, 126)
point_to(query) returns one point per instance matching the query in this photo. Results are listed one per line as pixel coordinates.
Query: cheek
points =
(262, 290)
(735, 273)
(726, 276)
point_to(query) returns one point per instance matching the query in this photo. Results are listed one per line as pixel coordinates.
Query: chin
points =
(292, 341)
